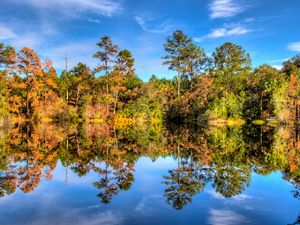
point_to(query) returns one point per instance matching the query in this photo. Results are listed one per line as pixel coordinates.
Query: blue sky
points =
(268, 29)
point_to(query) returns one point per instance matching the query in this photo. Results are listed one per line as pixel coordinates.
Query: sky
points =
(268, 29)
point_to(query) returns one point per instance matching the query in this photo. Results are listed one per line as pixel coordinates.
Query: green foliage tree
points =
(231, 67)
(183, 56)
(106, 57)
(292, 66)
(261, 84)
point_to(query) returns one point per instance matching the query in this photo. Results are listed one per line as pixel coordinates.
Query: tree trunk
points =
(178, 84)
(77, 96)
(261, 105)
(27, 98)
(67, 74)
(27, 104)
(297, 113)
(106, 81)
(67, 96)
(116, 101)
(44, 105)
(178, 157)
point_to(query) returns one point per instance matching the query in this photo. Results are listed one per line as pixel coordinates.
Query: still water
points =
(95, 174)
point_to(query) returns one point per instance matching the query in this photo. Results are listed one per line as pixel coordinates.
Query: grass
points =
(258, 122)
(229, 122)
(47, 120)
(96, 120)
(235, 122)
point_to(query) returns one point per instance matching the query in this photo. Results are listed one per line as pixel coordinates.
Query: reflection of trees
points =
(226, 157)
(107, 185)
(182, 184)
(187, 179)
(230, 180)
(96, 148)
(114, 180)
(295, 181)
(8, 183)
(30, 156)
(297, 221)
(222, 156)
(286, 152)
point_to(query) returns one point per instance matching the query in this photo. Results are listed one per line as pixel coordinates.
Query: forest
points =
(221, 88)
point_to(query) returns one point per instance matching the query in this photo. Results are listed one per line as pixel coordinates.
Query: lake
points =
(97, 174)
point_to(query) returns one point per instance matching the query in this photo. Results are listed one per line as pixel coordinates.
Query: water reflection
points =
(222, 157)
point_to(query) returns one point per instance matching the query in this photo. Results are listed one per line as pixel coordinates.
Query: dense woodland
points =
(219, 88)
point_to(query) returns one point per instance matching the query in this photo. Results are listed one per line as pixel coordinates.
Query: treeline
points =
(218, 88)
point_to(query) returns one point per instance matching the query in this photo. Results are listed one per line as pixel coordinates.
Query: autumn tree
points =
(47, 103)
(286, 97)
(123, 70)
(30, 66)
(7, 65)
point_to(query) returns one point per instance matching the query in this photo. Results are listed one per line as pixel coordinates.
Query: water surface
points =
(94, 174)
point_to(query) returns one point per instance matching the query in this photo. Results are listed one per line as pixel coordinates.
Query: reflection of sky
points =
(268, 200)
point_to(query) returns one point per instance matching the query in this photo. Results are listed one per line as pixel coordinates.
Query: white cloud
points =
(30, 40)
(224, 8)
(224, 32)
(294, 46)
(151, 205)
(278, 60)
(107, 217)
(94, 20)
(240, 197)
(215, 195)
(71, 7)
(78, 216)
(17, 40)
(6, 34)
(154, 24)
(77, 51)
(225, 217)
(278, 67)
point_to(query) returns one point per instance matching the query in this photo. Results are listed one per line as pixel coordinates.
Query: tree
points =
(106, 56)
(80, 78)
(261, 84)
(29, 65)
(47, 103)
(7, 58)
(231, 66)
(125, 63)
(232, 59)
(292, 66)
(177, 47)
(123, 70)
(7, 64)
(196, 61)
